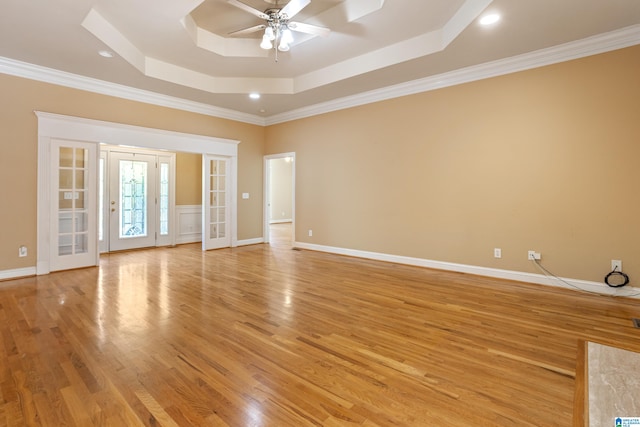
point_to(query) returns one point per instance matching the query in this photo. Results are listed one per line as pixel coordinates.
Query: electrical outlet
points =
(497, 253)
(616, 265)
(533, 255)
(22, 251)
(310, 233)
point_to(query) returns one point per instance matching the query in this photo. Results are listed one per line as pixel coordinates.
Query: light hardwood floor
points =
(269, 336)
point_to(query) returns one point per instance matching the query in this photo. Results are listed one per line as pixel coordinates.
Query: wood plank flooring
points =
(269, 336)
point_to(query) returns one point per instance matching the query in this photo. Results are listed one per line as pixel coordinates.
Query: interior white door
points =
(73, 216)
(132, 202)
(216, 202)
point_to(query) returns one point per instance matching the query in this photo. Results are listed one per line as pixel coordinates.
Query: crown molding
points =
(619, 39)
(75, 81)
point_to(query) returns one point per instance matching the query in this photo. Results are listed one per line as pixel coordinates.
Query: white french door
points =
(216, 202)
(132, 201)
(73, 205)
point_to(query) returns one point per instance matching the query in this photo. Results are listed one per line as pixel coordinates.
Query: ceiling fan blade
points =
(309, 29)
(293, 7)
(248, 30)
(248, 8)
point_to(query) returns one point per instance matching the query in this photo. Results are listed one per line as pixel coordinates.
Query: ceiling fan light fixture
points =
(283, 47)
(287, 36)
(268, 33)
(266, 43)
(278, 25)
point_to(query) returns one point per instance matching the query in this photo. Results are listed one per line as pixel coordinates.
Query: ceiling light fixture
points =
(489, 19)
(277, 26)
(254, 95)
(277, 33)
(105, 54)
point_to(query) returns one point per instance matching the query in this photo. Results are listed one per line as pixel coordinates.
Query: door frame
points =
(267, 191)
(57, 126)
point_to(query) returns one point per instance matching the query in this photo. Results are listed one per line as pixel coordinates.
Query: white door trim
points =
(52, 126)
(267, 190)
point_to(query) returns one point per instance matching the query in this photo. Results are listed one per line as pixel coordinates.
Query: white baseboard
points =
(188, 238)
(520, 276)
(279, 221)
(18, 272)
(248, 242)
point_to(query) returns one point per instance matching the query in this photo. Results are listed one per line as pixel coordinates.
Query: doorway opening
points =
(68, 190)
(279, 197)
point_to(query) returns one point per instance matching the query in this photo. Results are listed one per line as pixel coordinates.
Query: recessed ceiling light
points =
(489, 19)
(254, 95)
(105, 54)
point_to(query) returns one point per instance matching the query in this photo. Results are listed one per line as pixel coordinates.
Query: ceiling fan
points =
(277, 28)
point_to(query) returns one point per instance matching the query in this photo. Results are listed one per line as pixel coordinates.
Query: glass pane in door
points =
(101, 175)
(73, 224)
(217, 202)
(133, 198)
(164, 199)
(217, 199)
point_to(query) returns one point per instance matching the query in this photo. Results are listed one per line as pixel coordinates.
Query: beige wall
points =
(280, 182)
(188, 179)
(545, 159)
(18, 153)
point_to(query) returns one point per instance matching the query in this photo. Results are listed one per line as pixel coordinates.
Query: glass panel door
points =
(133, 200)
(215, 206)
(74, 218)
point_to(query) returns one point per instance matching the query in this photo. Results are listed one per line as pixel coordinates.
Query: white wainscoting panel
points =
(188, 224)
